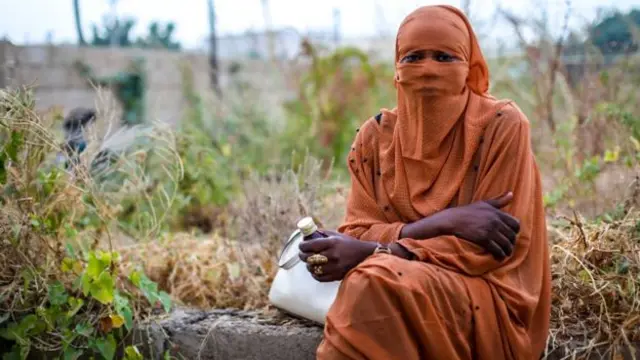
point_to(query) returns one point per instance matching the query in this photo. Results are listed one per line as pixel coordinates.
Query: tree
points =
(118, 33)
(159, 37)
(115, 33)
(213, 49)
(76, 13)
(615, 33)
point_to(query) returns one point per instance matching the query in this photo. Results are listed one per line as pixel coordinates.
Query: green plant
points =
(336, 94)
(87, 317)
(61, 291)
(219, 144)
(118, 33)
(128, 86)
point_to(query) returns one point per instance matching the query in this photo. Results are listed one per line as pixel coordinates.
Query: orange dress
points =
(456, 301)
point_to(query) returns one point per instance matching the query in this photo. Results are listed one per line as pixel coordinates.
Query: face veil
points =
(442, 108)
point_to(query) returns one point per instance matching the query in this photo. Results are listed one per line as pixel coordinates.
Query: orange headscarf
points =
(437, 122)
(414, 161)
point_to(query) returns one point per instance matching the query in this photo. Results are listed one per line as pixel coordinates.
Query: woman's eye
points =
(443, 57)
(411, 58)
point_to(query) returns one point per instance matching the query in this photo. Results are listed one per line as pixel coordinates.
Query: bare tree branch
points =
(554, 67)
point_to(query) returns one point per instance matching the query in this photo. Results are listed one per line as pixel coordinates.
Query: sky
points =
(33, 21)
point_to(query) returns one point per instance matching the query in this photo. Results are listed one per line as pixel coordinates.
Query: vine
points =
(128, 86)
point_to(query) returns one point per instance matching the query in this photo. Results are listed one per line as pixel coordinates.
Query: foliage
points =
(118, 33)
(159, 37)
(61, 291)
(337, 93)
(219, 144)
(615, 33)
(128, 86)
(586, 106)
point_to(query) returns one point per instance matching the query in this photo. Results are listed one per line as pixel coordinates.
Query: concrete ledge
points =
(228, 335)
(241, 335)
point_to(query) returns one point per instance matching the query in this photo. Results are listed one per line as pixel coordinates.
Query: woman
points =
(450, 283)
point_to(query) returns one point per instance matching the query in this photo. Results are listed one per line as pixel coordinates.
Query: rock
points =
(242, 335)
(227, 335)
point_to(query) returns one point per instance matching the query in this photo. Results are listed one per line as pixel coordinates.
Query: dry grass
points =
(214, 272)
(271, 205)
(206, 272)
(596, 283)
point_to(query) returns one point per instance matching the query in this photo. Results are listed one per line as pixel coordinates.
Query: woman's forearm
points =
(430, 227)
(435, 225)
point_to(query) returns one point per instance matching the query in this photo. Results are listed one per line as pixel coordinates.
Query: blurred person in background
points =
(443, 253)
(74, 128)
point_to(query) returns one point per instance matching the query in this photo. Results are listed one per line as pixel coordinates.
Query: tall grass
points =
(60, 289)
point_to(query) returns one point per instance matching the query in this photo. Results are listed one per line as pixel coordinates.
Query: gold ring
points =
(317, 270)
(317, 259)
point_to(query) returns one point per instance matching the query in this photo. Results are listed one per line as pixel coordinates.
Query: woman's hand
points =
(483, 223)
(342, 253)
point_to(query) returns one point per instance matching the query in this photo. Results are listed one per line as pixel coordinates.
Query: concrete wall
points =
(50, 69)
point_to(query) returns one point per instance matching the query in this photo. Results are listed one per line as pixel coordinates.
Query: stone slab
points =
(241, 335)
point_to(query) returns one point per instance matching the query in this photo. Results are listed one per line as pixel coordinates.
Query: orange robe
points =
(456, 301)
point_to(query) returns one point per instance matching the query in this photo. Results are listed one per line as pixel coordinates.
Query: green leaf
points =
(124, 310)
(611, 156)
(57, 294)
(18, 352)
(102, 289)
(67, 265)
(148, 287)
(27, 277)
(24, 351)
(14, 146)
(165, 299)
(20, 332)
(70, 251)
(8, 333)
(68, 335)
(105, 258)
(135, 278)
(132, 353)
(85, 282)
(75, 306)
(70, 232)
(4, 317)
(3, 170)
(51, 316)
(84, 329)
(71, 354)
(97, 264)
(106, 347)
(15, 350)
(150, 290)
